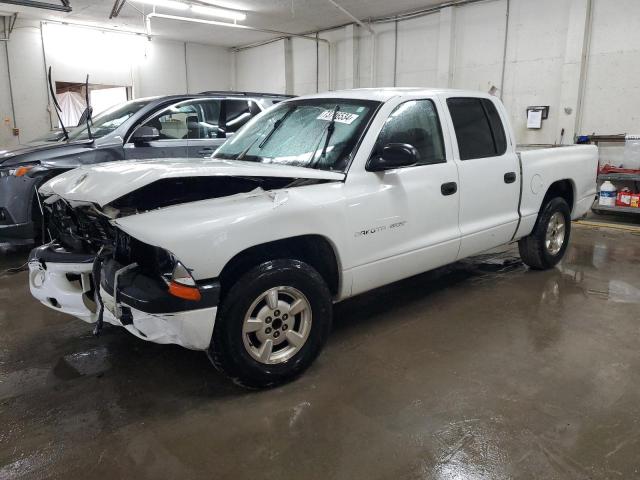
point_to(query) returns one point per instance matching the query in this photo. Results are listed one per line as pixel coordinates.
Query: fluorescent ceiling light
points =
(165, 3)
(218, 12)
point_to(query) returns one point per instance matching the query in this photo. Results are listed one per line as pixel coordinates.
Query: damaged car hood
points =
(104, 183)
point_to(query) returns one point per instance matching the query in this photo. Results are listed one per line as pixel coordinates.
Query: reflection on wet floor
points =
(482, 369)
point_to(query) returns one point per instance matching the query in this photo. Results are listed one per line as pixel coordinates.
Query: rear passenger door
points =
(488, 172)
(204, 131)
(233, 114)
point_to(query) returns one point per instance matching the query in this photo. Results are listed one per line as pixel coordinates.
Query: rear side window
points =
(415, 123)
(478, 127)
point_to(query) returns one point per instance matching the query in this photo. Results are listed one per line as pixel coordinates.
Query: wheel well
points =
(312, 249)
(562, 189)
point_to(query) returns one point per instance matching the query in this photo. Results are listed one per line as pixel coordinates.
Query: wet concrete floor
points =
(480, 370)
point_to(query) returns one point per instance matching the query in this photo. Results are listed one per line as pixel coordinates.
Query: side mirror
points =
(145, 134)
(394, 155)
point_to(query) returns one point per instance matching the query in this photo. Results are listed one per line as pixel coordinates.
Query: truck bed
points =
(541, 167)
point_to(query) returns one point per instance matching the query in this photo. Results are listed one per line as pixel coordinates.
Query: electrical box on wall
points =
(535, 115)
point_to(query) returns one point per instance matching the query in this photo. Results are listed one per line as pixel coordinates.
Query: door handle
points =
(449, 188)
(509, 177)
(205, 150)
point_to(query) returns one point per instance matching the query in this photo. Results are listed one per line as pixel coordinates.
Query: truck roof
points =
(384, 94)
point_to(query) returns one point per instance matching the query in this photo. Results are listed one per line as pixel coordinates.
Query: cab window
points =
(478, 128)
(415, 123)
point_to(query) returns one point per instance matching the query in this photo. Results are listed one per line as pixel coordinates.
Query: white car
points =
(316, 200)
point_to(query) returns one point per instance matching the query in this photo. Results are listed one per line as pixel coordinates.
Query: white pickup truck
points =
(316, 200)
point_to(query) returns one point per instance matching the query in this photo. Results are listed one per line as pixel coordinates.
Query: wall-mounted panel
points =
(612, 89)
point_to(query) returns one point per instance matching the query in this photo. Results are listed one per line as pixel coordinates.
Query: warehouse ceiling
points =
(293, 16)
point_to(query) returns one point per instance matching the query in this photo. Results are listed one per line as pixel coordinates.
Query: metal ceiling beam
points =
(9, 23)
(117, 7)
(351, 16)
(231, 25)
(63, 7)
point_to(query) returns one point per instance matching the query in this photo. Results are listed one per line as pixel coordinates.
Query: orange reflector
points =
(188, 293)
(22, 171)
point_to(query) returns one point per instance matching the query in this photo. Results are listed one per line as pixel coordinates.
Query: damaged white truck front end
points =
(121, 255)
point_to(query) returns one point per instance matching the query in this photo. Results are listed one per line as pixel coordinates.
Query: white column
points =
(446, 47)
(288, 66)
(29, 81)
(574, 67)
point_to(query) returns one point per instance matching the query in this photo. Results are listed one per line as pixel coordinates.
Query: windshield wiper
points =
(329, 130)
(276, 126)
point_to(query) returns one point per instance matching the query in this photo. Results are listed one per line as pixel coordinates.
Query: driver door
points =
(405, 220)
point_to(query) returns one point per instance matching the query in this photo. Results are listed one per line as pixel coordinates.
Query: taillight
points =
(182, 284)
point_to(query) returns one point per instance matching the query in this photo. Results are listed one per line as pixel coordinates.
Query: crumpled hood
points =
(104, 183)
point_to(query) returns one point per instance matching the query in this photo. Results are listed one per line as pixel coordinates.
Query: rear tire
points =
(546, 245)
(272, 324)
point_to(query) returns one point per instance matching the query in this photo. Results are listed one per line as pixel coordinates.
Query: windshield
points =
(315, 133)
(108, 120)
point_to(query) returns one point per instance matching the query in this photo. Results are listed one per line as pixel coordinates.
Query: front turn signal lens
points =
(182, 284)
(182, 291)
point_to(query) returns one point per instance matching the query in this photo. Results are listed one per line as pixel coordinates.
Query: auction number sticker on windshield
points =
(341, 117)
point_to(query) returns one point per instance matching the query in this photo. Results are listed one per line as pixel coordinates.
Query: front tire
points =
(546, 245)
(272, 324)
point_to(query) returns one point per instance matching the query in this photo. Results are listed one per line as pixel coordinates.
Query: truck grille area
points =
(80, 229)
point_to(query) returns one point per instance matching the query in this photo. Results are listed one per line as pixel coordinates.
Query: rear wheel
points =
(545, 246)
(272, 324)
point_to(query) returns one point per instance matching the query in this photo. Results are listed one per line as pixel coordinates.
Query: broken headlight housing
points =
(157, 262)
